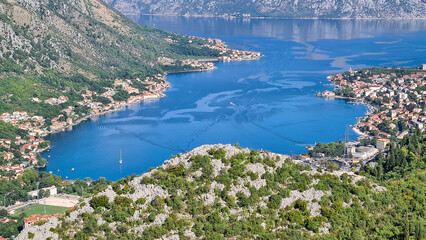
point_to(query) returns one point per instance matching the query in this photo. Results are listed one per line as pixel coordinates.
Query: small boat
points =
(58, 170)
(121, 159)
(48, 156)
(72, 169)
(66, 177)
(50, 172)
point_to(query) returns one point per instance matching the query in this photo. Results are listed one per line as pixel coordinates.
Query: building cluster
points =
(56, 101)
(230, 54)
(398, 100)
(199, 65)
(37, 218)
(7, 220)
(27, 146)
(28, 149)
(155, 86)
(12, 172)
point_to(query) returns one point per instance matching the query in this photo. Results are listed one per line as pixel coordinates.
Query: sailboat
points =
(121, 159)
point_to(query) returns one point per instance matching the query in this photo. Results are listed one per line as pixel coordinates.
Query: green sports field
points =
(39, 209)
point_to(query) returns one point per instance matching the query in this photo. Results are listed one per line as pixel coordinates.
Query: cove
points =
(267, 103)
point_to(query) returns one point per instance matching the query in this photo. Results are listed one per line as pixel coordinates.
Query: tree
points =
(42, 162)
(3, 213)
(100, 201)
(30, 177)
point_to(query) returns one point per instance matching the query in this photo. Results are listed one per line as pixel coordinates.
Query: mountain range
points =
(386, 9)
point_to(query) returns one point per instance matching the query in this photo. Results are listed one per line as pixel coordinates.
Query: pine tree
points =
(407, 227)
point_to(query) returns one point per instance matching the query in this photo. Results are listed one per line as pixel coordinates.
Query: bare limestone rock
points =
(256, 168)
(150, 191)
(307, 195)
(40, 232)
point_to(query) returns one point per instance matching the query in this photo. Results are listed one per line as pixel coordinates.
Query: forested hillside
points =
(221, 191)
(53, 48)
(388, 9)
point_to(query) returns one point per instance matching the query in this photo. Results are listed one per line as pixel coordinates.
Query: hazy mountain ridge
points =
(388, 9)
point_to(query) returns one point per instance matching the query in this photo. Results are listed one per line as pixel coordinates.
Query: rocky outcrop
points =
(388, 9)
(156, 200)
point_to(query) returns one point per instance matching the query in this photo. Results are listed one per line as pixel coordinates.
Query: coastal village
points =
(396, 101)
(23, 151)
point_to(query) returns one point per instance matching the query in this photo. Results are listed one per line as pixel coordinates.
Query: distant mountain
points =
(277, 8)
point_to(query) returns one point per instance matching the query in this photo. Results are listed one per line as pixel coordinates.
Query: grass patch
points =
(39, 209)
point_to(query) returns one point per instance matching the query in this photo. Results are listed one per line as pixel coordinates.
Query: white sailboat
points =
(121, 159)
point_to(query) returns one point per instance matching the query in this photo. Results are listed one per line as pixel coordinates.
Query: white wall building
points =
(53, 191)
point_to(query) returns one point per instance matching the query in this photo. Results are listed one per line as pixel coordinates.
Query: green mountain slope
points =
(51, 48)
(221, 191)
(79, 36)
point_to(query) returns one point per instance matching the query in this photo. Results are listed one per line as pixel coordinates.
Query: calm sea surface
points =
(262, 104)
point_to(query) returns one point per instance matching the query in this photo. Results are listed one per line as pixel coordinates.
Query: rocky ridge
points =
(213, 184)
(82, 37)
(385, 9)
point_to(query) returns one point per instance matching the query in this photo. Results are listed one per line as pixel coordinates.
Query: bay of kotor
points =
(268, 103)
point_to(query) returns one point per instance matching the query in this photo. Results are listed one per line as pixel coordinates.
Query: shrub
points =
(301, 205)
(152, 216)
(123, 201)
(217, 153)
(100, 201)
(274, 201)
(141, 201)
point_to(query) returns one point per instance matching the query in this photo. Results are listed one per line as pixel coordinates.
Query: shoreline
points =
(87, 117)
(370, 109)
(273, 18)
(126, 105)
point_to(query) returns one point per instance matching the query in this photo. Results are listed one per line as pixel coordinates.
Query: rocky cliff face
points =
(215, 192)
(278, 8)
(77, 36)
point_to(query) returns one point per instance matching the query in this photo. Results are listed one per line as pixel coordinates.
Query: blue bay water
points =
(267, 103)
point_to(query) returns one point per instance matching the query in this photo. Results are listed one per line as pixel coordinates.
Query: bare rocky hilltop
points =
(215, 192)
(382, 9)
